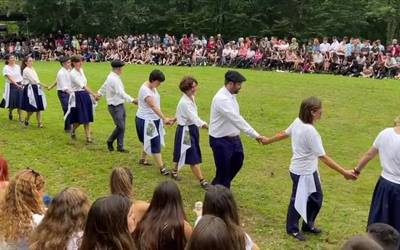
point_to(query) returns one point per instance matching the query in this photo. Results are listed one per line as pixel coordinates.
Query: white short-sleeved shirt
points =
(63, 79)
(78, 79)
(306, 146)
(388, 145)
(13, 72)
(144, 111)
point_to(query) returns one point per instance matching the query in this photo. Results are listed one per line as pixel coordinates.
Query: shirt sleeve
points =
(6, 71)
(119, 90)
(28, 76)
(102, 90)
(288, 131)
(316, 144)
(76, 80)
(378, 141)
(190, 112)
(227, 110)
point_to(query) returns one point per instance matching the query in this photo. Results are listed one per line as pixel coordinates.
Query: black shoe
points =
(110, 146)
(73, 135)
(313, 230)
(298, 236)
(26, 123)
(204, 184)
(175, 176)
(122, 150)
(164, 171)
(10, 116)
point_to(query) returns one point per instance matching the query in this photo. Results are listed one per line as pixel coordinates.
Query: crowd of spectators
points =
(346, 56)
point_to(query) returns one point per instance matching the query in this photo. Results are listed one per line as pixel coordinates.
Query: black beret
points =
(117, 63)
(234, 76)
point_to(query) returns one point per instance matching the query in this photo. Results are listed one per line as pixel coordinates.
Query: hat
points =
(63, 59)
(76, 58)
(117, 63)
(234, 76)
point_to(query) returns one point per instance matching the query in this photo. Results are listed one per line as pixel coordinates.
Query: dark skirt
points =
(385, 205)
(155, 142)
(83, 111)
(15, 97)
(193, 154)
(25, 100)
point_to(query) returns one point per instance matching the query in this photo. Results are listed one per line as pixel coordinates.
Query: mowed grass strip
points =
(354, 111)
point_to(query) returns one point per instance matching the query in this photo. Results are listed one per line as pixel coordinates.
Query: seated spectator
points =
(219, 202)
(318, 61)
(121, 182)
(391, 66)
(211, 233)
(164, 225)
(62, 226)
(368, 71)
(385, 235)
(361, 243)
(3, 175)
(22, 209)
(107, 225)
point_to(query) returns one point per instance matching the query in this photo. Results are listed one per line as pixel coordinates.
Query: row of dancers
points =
(226, 124)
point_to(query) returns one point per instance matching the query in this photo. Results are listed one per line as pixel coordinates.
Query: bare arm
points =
(369, 155)
(277, 137)
(152, 104)
(347, 174)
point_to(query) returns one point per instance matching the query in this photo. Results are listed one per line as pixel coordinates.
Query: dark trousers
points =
(64, 97)
(313, 206)
(228, 158)
(118, 115)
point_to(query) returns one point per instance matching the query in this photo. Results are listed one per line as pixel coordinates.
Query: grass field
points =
(355, 110)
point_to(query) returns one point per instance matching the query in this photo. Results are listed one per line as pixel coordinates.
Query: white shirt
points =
(388, 145)
(78, 79)
(324, 47)
(113, 89)
(306, 146)
(13, 72)
(334, 46)
(75, 241)
(144, 111)
(63, 79)
(225, 118)
(186, 112)
(30, 76)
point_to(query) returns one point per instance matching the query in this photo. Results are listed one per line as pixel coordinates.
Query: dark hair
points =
(121, 181)
(107, 225)
(219, 201)
(24, 63)
(162, 226)
(7, 57)
(361, 243)
(211, 233)
(187, 83)
(307, 106)
(75, 59)
(387, 236)
(156, 75)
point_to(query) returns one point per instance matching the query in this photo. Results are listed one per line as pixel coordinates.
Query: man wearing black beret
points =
(226, 123)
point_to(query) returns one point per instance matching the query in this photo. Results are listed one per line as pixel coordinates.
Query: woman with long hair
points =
(164, 225)
(121, 183)
(219, 201)
(12, 97)
(80, 108)
(107, 225)
(62, 226)
(33, 98)
(3, 175)
(22, 208)
(307, 196)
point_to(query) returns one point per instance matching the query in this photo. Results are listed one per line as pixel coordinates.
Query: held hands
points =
(135, 101)
(263, 140)
(205, 126)
(350, 175)
(169, 121)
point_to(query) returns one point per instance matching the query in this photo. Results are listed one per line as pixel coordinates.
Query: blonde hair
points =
(21, 200)
(66, 215)
(121, 181)
(397, 121)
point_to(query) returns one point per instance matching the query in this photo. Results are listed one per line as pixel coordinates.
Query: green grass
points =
(355, 110)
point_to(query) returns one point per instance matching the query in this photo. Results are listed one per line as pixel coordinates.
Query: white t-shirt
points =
(13, 72)
(144, 111)
(306, 146)
(388, 145)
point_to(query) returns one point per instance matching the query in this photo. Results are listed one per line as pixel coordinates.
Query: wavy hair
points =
(121, 181)
(21, 200)
(66, 215)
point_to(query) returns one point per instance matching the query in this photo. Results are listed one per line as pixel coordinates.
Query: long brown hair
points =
(22, 200)
(107, 225)
(162, 226)
(121, 181)
(219, 202)
(24, 63)
(309, 105)
(66, 215)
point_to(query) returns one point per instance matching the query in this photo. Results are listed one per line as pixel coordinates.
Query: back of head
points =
(361, 243)
(211, 233)
(121, 181)
(219, 201)
(66, 215)
(107, 225)
(308, 106)
(162, 226)
(387, 236)
(156, 75)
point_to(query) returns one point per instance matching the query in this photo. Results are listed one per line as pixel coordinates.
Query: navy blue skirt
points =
(193, 154)
(15, 97)
(385, 205)
(155, 142)
(83, 112)
(25, 100)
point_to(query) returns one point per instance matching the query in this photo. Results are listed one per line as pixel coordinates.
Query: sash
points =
(150, 132)
(305, 187)
(6, 94)
(43, 96)
(185, 145)
(31, 96)
(71, 104)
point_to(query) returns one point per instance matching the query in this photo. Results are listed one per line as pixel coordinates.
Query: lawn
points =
(354, 111)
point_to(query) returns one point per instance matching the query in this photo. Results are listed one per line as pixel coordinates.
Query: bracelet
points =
(356, 171)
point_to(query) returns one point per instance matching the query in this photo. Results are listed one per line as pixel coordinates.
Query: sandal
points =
(89, 140)
(73, 135)
(164, 171)
(40, 125)
(144, 162)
